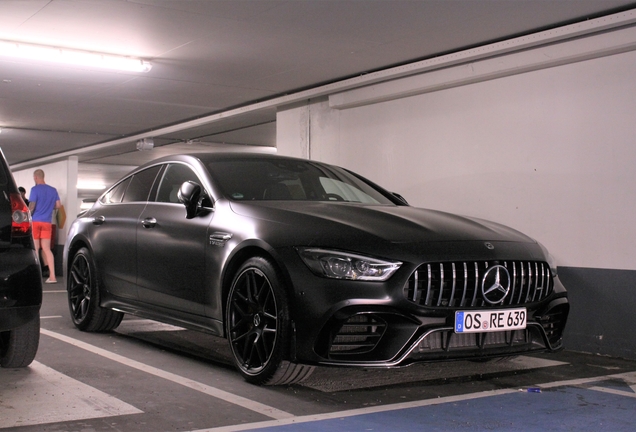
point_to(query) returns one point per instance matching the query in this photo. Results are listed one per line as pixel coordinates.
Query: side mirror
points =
(400, 198)
(189, 194)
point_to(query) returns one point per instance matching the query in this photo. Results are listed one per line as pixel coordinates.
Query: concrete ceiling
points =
(211, 57)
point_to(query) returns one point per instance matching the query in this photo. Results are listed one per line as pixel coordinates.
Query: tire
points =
(258, 326)
(19, 346)
(83, 296)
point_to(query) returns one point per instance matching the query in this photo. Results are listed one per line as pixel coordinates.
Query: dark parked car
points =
(20, 277)
(299, 263)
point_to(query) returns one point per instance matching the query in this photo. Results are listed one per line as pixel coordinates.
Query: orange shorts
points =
(42, 230)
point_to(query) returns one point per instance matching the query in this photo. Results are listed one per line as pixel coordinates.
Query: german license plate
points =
(490, 320)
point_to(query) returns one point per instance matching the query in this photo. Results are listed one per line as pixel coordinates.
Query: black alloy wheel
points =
(258, 321)
(83, 296)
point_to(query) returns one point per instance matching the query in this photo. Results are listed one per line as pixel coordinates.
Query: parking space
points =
(147, 376)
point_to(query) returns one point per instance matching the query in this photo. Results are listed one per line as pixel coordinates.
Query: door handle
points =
(98, 220)
(149, 222)
(219, 238)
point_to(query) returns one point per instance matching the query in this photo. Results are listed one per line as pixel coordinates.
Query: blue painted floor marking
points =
(556, 409)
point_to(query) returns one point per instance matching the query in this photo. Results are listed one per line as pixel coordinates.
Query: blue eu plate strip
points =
(459, 322)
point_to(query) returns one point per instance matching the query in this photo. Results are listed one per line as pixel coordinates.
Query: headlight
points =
(343, 265)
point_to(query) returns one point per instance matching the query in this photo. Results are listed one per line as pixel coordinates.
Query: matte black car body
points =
(20, 277)
(204, 267)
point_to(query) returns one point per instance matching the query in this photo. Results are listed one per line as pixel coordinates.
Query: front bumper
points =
(352, 323)
(384, 339)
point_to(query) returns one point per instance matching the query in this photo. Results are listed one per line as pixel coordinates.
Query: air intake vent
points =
(359, 334)
(553, 323)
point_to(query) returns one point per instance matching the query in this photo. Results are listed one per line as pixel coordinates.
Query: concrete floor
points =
(148, 376)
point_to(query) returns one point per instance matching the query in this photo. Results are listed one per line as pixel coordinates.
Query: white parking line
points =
(613, 391)
(251, 405)
(38, 395)
(128, 326)
(629, 377)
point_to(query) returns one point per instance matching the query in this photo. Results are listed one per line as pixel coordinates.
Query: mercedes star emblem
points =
(496, 284)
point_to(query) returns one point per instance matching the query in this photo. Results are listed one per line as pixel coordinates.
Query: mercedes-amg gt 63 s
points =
(299, 263)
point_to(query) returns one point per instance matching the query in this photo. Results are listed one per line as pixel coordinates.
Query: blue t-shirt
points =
(44, 197)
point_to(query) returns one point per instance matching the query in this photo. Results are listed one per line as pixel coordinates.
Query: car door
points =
(114, 230)
(171, 248)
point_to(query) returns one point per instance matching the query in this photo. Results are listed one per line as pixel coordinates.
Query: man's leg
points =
(47, 255)
(37, 235)
(36, 243)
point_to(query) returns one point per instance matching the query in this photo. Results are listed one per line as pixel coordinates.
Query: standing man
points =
(43, 199)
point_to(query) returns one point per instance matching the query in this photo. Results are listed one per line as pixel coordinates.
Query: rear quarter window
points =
(141, 184)
(116, 193)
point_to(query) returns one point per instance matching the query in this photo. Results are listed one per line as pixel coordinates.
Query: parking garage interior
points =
(516, 112)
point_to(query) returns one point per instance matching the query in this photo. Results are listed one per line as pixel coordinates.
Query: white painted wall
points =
(550, 152)
(63, 177)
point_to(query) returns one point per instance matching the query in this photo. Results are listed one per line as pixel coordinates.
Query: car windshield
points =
(269, 179)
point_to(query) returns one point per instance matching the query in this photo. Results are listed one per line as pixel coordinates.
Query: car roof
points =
(212, 156)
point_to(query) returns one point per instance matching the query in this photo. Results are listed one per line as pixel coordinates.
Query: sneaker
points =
(49, 281)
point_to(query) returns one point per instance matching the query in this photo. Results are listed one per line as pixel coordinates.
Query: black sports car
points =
(299, 263)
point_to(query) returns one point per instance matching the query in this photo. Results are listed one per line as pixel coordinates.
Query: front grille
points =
(458, 284)
(359, 334)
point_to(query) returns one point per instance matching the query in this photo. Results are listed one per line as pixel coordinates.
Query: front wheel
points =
(258, 325)
(83, 296)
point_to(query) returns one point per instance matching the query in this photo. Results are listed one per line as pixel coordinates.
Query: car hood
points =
(393, 224)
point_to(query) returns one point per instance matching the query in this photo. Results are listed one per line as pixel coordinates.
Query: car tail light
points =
(21, 223)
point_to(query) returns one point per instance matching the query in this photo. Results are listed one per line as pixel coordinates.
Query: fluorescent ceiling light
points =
(73, 57)
(90, 185)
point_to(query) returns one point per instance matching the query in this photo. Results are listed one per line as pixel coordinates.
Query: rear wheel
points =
(19, 346)
(83, 296)
(258, 325)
